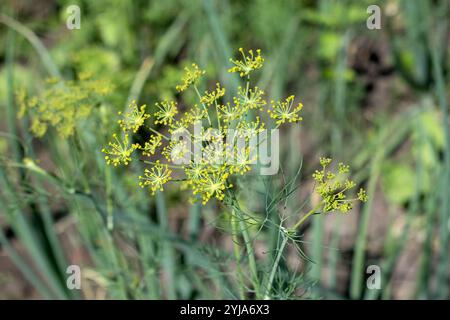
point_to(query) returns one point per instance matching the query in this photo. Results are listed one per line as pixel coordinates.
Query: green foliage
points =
(375, 99)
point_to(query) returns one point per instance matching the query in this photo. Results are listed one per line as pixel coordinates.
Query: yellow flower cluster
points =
(283, 111)
(134, 119)
(210, 97)
(208, 173)
(248, 63)
(334, 186)
(166, 113)
(253, 99)
(150, 146)
(62, 104)
(191, 75)
(156, 177)
(119, 151)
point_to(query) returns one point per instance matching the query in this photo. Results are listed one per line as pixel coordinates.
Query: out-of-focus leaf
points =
(398, 182)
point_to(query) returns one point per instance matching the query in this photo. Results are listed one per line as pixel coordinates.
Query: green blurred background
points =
(376, 99)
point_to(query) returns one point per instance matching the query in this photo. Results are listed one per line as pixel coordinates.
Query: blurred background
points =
(376, 99)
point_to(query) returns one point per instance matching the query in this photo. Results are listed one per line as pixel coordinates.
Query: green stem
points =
(217, 115)
(442, 270)
(159, 133)
(169, 165)
(283, 245)
(109, 199)
(248, 246)
(168, 262)
(356, 284)
(306, 216)
(203, 105)
(35, 42)
(237, 256)
(275, 265)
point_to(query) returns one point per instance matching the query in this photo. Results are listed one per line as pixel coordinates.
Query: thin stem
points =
(139, 80)
(306, 216)
(109, 199)
(247, 86)
(169, 165)
(34, 41)
(203, 105)
(159, 133)
(168, 262)
(248, 244)
(275, 265)
(237, 253)
(285, 235)
(442, 270)
(217, 115)
(250, 252)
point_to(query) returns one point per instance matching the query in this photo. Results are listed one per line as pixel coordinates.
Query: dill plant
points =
(63, 103)
(213, 175)
(210, 176)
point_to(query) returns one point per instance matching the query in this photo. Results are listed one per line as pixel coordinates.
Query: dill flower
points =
(249, 129)
(176, 151)
(167, 110)
(213, 153)
(343, 168)
(333, 188)
(194, 171)
(62, 104)
(210, 97)
(39, 128)
(217, 160)
(211, 134)
(179, 127)
(151, 145)
(362, 196)
(229, 113)
(211, 184)
(119, 152)
(133, 119)
(248, 63)
(283, 111)
(325, 161)
(250, 99)
(155, 177)
(24, 102)
(191, 75)
(194, 115)
(243, 161)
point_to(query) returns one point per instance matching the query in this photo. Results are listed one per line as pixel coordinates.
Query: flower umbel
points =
(211, 183)
(167, 110)
(151, 145)
(133, 119)
(119, 152)
(224, 147)
(229, 112)
(283, 111)
(210, 97)
(362, 196)
(248, 63)
(191, 75)
(333, 187)
(176, 151)
(250, 98)
(63, 104)
(156, 177)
